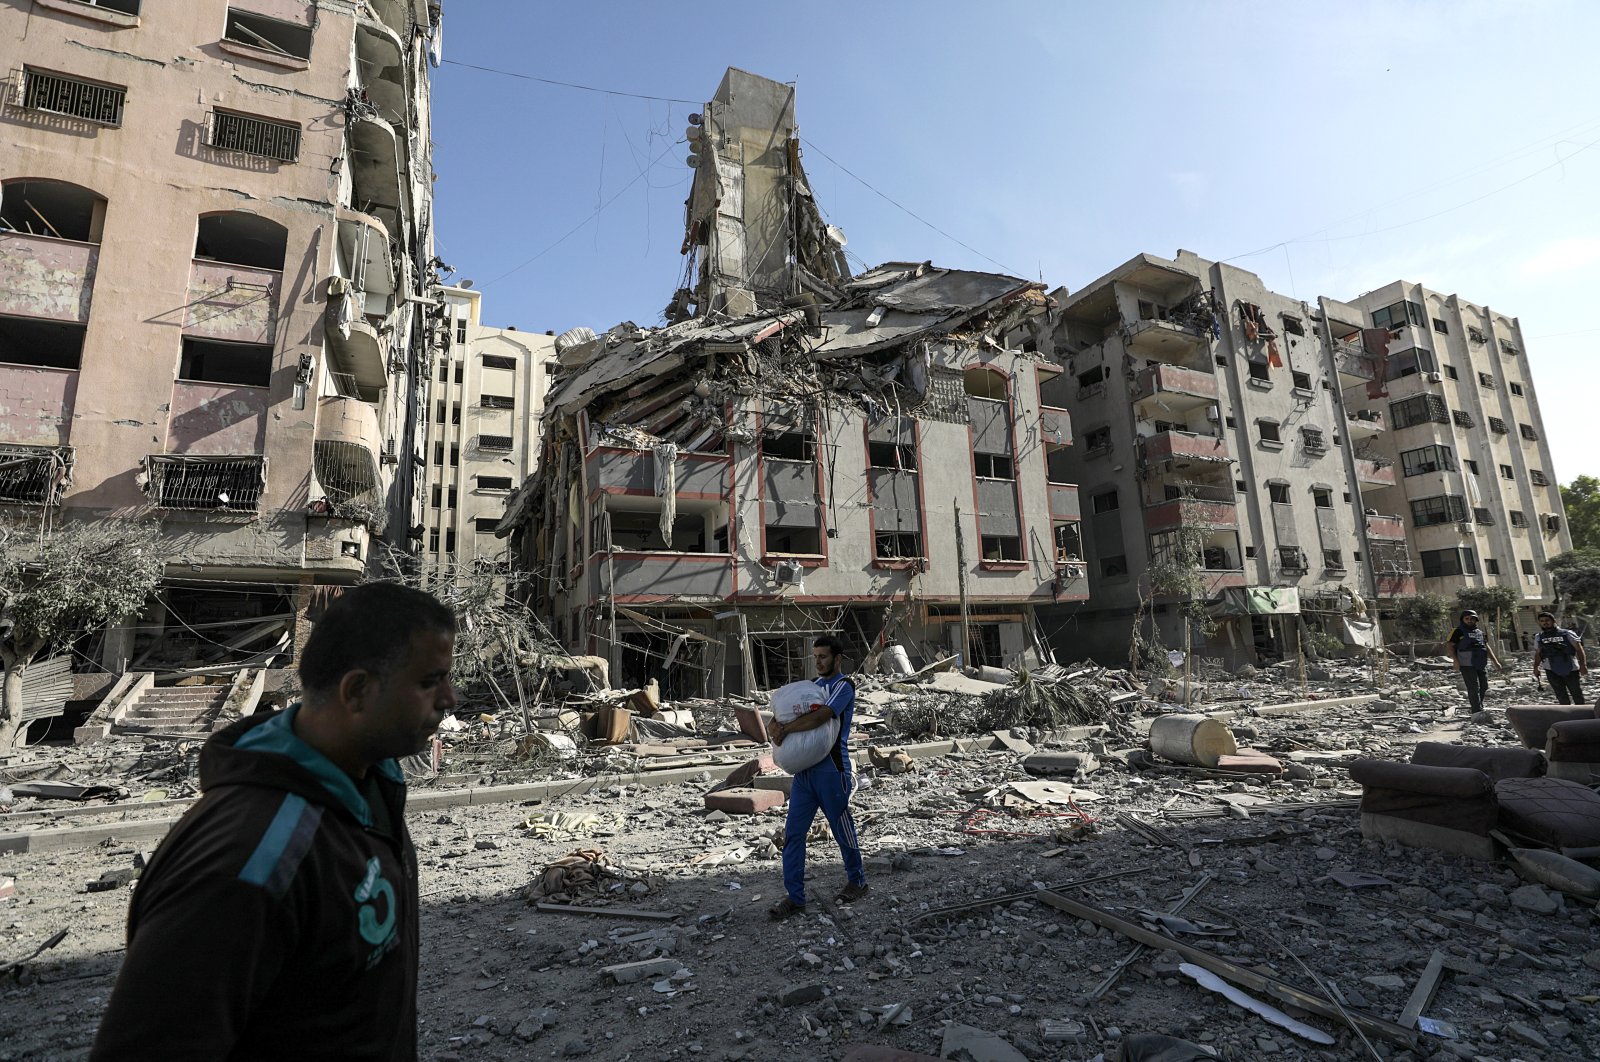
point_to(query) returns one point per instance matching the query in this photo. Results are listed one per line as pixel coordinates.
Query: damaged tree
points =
(67, 580)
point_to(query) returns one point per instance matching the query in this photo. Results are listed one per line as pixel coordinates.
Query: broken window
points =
(1313, 440)
(1104, 502)
(494, 482)
(485, 525)
(35, 475)
(1507, 473)
(1528, 432)
(1068, 543)
(1055, 465)
(46, 344)
(1538, 478)
(1259, 371)
(992, 466)
(238, 238)
(497, 402)
(984, 383)
(127, 7)
(1491, 566)
(1333, 560)
(1322, 497)
(1507, 348)
(498, 361)
(1427, 459)
(1418, 409)
(179, 481)
(52, 208)
(1301, 380)
(1001, 547)
(1097, 440)
(251, 135)
(897, 545)
(1092, 376)
(1470, 465)
(1518, 518)
(1440, 509)
(76, 97)
(891, 455)
(450, 541)
(209, 361)
(1440, 327)
(1476, 335)
(1485, 379)
(1527, 567)
(1292, 558)
(258, 31)
(1267, 430)
(789, 446)
(1293, 326)
(1483, 516)
(1498, 426)
(801, 541)
(1438, 563)
(1450, 372)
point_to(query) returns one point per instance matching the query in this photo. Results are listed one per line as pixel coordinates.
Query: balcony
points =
(356, 344)
(1396, 585)
(1063, 502)
(1165, 340)
(44, 277)
(235, 303)
(616, 471)
(1374, 475)
(217, 418)
(1186, 512)
(380, 61)
(1071, 582)
(378, 168)
(1173, 389)
(646, 577)
(1365, 423)
(346, 459)
(1386, 528)
(1352, 362)
(1183, 448)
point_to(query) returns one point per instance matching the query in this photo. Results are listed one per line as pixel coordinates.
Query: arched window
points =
(238, 238)
(983, 382)
(52, 208)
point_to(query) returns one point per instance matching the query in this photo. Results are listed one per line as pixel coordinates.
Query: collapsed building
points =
(800, 451)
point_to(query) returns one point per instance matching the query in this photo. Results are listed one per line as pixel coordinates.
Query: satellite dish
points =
(836, 234)
(465, 284)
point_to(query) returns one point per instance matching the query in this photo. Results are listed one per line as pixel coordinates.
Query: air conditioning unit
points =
(790, 573)
(1464, 527)
(1436, 377)
(1214, 414)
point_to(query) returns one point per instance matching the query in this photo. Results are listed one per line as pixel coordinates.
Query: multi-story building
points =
(485, 399)
(809, 453)
(1208, 419)
(214, 274)
(1470, 481)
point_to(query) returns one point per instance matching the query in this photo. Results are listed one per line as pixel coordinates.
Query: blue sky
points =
(1350, 144)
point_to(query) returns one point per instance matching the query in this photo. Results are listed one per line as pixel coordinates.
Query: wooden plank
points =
(610, 912)
(1422, 995)
(1239, 975)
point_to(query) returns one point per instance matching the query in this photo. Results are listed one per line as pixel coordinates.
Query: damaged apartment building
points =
(215, 275)
(800, 451)
(1310, 458)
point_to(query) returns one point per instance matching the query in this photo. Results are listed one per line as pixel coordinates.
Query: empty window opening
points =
(258, 31)
(1301, 380)
(1292, 558)
(242, 239)
(889, 455)
(1450, 372)
(789, 446)
(1259, 371)
(1322, 497)
(1000, 547)
(1068, 542)
(1104, 502)
(992, 466)
(450, 541)
(1268, 431)
(498, 361)
(1507, 473)
(1515, 389)
(52, 208)
(127, 7)
(1485, 379)
(233, 484)
(984, 383)
(1470, 465)
(47, 344)
(804, 541)
(1527, 567)
(1528, 432)
(1518, 518)
(1279, 493)
(35, 475)
(1055, 463)
(250, 135)
(208, 361)
(1333, 560)
(1293, 326)
(1114, 567)
(494, 482)
(1097, 439)
(1491, 566)
(75, 97)
(485, 525)
(1440, 327)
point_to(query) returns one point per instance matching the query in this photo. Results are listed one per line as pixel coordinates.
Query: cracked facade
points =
(215, 284)
(801, 451)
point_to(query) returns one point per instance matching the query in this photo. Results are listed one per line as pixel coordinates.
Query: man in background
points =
(278, 920)
(826, 785)
(1469, 644)
(1559, 652)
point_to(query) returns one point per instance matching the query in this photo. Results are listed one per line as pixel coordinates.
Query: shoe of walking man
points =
(1559, 652)
(1469, 644)
(826, 786)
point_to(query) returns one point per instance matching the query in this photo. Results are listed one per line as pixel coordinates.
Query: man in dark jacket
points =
(279, 917)
(1469, 644)
(1559, 653)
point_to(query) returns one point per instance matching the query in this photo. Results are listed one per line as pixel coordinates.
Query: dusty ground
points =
(503, 981)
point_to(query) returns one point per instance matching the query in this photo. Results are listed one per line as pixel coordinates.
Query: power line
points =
(566, 84)
(908, 210)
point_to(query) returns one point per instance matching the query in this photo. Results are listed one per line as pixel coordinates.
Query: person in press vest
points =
(1559, 653)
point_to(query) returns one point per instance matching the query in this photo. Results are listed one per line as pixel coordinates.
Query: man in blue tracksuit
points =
(826, 785)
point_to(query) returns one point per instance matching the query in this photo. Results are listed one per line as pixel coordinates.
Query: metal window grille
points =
(1291, 558)
(495, 442)
(232, 484)
(1538, 478)
(1462, 418)
(1528, 432)
(35, 475)
(497, 402)
(1497, 425)
(254, 136)
(1518, 519)
(60, 94)
(498, 361)
(1483, 516)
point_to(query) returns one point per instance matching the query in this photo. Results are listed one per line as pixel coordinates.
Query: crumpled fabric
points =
(579, 875)
(667, 486)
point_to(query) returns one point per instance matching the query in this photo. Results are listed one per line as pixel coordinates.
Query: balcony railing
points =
(1390, 528)
(41, 276)
(1374, 473)
(1178, 387)
(1351, 360)
(1183, 445)
(1183, 512)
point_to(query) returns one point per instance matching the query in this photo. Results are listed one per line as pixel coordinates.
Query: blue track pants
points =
(823, 786)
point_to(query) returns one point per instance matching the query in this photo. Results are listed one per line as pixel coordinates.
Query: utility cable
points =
(567, 84)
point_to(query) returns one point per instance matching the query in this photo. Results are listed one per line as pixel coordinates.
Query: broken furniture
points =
(1532, 722)
(1572, 751)
(1449, 798)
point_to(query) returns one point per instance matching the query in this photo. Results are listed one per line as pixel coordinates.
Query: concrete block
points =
(752, 723)
(745, 801)
(879, 1053)
(1068, 763)
(626, 973)
(1250, 761)
(797, 995)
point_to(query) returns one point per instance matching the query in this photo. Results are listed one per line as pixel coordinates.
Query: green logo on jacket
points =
(379, 932)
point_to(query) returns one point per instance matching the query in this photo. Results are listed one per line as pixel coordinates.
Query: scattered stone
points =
(1386, 982)
(1535, 899)
(1528, 1035)
(798, 995)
